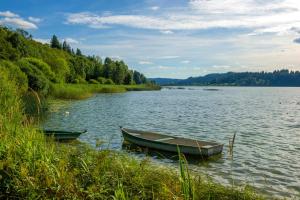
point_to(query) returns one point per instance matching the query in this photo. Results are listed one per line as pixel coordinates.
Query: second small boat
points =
(63, 135)
(171, 143)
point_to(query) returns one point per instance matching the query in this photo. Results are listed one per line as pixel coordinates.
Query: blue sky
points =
(170, 38)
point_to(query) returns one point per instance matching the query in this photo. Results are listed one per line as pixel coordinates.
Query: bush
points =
(15, 74)
(101, 80)
(36, 78)
(79, 80)
(93, 81)
(44, 67)
(109, 82)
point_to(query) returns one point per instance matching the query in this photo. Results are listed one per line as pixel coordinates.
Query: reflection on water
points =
(267, 122)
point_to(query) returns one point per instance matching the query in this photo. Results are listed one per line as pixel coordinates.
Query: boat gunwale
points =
(127, 131)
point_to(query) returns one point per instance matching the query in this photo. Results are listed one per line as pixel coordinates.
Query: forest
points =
(282, 78)
(37, 66)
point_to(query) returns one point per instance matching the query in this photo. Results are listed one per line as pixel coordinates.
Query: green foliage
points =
(37, 80)
(276, 78)
(93, 81)
(44, 67)
(54, 43)
(14, 73)
(101, 80)
(78, 52)
(58, 63)
(109, 81)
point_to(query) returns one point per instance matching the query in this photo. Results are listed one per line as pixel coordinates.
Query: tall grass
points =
(35, 167)
(82, 91)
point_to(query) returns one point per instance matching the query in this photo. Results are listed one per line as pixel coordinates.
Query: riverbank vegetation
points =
(82, 91)
(34, 167)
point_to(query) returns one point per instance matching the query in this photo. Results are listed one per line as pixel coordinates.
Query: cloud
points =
(166, 32)
(297, 40)
(34, 19)
(168, 57)
(260, 16)
(142, 62)
(71, 41)
(42, 40)
(8, 14)
(162, 67)
(185, 61)
(18, 22)
(155, 8)
(12, 19)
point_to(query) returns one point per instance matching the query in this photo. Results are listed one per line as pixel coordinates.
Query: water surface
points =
(267, 122)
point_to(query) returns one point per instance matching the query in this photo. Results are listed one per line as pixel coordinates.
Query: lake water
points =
(267, 122)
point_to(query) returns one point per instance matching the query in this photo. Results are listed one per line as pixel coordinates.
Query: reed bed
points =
(83, 91)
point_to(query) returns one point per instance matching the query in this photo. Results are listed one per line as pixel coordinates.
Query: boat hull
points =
(63, 135)
(204, 151)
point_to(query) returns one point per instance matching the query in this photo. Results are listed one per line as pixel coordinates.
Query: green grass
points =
(82, 91)
(34, 167)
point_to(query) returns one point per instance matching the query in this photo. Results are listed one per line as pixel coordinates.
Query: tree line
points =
(282, 77)
(38, 65)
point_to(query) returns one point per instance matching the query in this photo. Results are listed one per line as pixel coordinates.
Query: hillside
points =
(276, 78)
(38, 66)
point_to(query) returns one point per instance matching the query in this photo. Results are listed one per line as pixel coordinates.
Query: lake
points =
(266, 120)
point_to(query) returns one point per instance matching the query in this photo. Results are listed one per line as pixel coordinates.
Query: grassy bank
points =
(82, 91)
(34, 167)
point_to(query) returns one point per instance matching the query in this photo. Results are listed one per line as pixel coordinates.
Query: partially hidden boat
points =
(171, 143)
(63, 134)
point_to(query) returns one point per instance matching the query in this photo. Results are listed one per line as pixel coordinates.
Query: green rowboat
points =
(171, 143)
(62, 134)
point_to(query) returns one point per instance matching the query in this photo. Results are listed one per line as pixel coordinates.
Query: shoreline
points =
(83, 91)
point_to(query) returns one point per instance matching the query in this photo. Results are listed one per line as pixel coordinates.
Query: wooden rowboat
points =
(63, 135)
(171, 143)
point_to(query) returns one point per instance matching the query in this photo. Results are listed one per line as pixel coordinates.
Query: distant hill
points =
(276, 78)
(165, 81)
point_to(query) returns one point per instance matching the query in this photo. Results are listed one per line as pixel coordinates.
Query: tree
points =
(128, 80)
(78, 52)
(54, 43)
(64, 45)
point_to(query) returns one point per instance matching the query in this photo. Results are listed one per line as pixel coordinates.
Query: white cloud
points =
(8, 14)
(143, 62)
(42, 40)
(162, 67)
(185, 61)
(34, 19)
(168, 57)
(155, 8)
(71, 41)
(12, 19)
(272, 16)
(166, 32)
(18, 22)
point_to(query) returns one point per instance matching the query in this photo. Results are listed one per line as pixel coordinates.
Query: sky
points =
(169, 38)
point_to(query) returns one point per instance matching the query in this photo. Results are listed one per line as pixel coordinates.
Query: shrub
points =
(36, 78)
(93, 81)
(79, 80)
(101, 80)
(44, 67)
(109, 82)
(15, 74)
